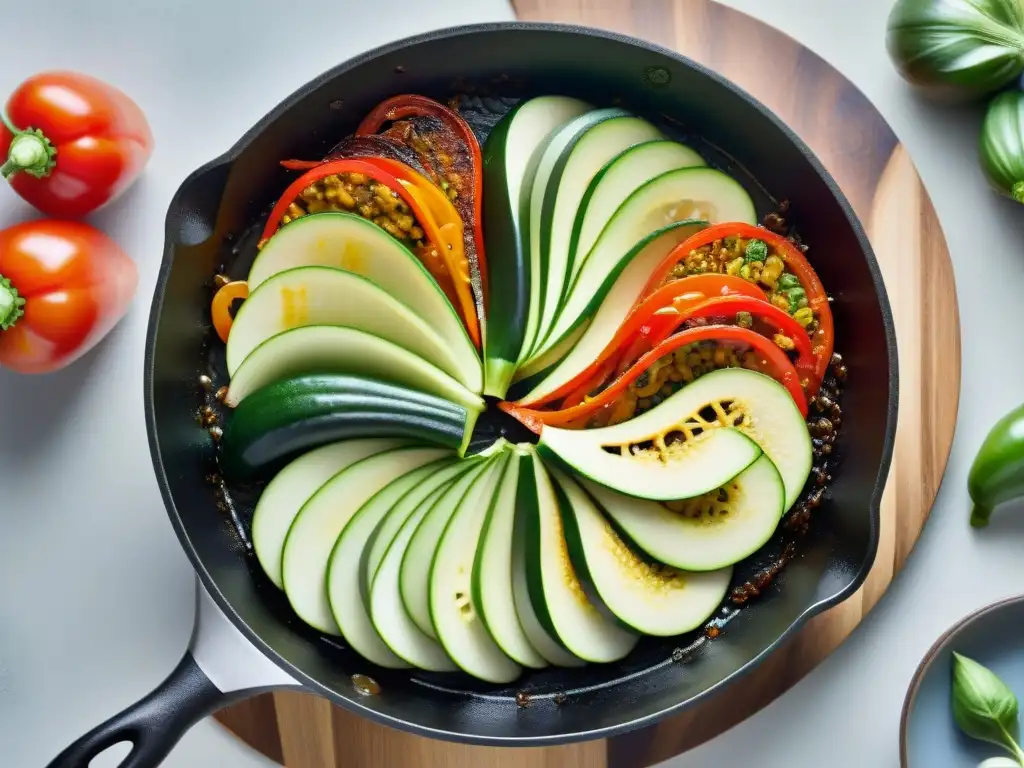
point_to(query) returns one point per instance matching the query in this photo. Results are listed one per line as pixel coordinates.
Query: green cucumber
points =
(493, 590)
(283, 419)
(623, 175)
(611, 308)
(341, 350)
(510, 157)
(347, 590)
(389, 616)
(414, 580)
(688, 194)
(593, 140)
(455, 612)
(293, 486)
(709, 532)
(646, 597)
(350, 242)
(554, 586)
(320, 522)
(328, 296)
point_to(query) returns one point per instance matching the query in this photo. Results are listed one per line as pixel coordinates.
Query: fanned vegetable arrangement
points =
(601, 284)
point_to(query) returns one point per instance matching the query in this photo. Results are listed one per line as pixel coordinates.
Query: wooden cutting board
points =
(860, 150)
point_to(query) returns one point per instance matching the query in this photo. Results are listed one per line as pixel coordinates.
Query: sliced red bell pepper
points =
(456, 139)
(777, 319)
(823, 339)
(777, 365)
(672, 299)
(444, 263)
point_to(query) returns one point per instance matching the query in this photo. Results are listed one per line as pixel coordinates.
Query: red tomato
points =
(72, 142)
(63, 287)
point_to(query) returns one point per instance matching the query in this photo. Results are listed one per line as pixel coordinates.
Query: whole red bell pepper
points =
(72, 143)
(63, 286)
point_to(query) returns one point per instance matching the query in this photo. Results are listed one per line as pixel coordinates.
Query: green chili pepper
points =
(756, 250)
(997, 474)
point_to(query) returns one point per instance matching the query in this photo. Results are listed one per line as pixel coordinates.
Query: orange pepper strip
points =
(220, 307)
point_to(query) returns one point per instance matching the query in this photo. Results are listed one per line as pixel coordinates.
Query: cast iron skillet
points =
(218, 204)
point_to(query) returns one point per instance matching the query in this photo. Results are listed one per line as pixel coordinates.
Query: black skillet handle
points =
(155, 723)
(219, 668)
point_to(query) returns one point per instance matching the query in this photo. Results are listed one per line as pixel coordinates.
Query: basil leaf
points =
(983, 706)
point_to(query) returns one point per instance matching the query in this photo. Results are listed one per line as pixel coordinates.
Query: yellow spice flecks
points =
(294, 307)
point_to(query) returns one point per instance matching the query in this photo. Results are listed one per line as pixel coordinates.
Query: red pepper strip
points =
(678, 294)
(728, 306)
(777, 365)
(457, 290)
(412, 105)
(817, 299)
(598, 377)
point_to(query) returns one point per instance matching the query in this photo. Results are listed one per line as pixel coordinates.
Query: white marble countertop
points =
(97, 606)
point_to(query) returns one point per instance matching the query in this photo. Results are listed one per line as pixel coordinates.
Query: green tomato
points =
(957, 49)
(1001, 148)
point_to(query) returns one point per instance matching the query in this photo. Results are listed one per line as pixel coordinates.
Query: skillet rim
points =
(351, 702)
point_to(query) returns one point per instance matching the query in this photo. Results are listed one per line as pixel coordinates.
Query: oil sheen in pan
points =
(752, 576)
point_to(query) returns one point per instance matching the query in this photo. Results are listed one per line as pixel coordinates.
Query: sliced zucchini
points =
(327, 296)
(389, 616)
(647, 597)
(336, 349)
(533, 372)
(493, 592)
(759, 407)
(293, 486)
(555, 589)
(289, 417)
(616, 181)
(611, 310)
(321, 520)
(455, 612)
(511, 155)
(382, 536)
(347, 591)
(543, 193)
(349, 242)
(706, 532)
(414, 579)
(695, 194)
(649, 457)
(593, 143)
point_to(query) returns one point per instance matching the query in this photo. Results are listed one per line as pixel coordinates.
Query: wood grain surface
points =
(860, 150)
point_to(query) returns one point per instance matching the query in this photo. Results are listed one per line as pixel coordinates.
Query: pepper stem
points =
(11, 304)
(1017, 191)
(30, 151)
(980, 515)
